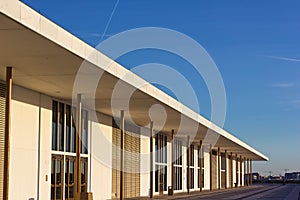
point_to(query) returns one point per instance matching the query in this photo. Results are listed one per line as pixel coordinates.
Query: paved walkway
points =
(268, 192)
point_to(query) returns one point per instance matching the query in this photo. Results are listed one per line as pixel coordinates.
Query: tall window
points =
(64, 151)
(160, 163)
(56, 177)
(178, 165)
(223, 170)
(200, 159)
(192, 166)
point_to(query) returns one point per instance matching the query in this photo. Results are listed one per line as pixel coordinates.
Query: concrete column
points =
(188, 164)
(237, 167)
(151, 160)
(7, 130)
(231, 160)
(210, 168)
(245, 173)
(219, 169)
(250, 172)
(173, 162)
(241, 171)
(122, 195)
(200, 160)
(225, 169)
(78, 147)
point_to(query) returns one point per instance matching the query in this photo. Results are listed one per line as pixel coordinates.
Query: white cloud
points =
(297, 101)
(285, 58)
(283, 85)
(96, 35)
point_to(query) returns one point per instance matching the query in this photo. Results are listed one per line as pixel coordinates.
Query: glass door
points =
(57, 177)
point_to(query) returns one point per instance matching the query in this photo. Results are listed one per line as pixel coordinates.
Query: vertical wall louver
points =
(2, 127)
(132, 148)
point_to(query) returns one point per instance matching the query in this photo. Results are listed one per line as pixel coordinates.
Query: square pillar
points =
(237, 168)
(173, 162)
(188, 164)
(122, 177)
(200, 164)
(210, 168)
(7, 132)
(78, 148)
(250, 172)
(231, 160)
(245, 173)
(219, 169)
(226, 169)
(151, 160)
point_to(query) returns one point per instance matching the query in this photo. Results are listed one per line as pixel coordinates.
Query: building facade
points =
(61, 147)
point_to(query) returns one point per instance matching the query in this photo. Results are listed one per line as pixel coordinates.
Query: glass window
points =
(69, 177)
(161, 163)
(192, 163)
(178, 178)
(64, 140)
(160, 148)
(54, 125)
(156, 178)
(223, 161)
(68, 128)
(56, 177)
(178, 164)
(192, 178)
(84, 134)
(73, 141)
(61, 126)
(83, 174)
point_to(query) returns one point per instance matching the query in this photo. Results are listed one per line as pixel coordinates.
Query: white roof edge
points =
(28, 17)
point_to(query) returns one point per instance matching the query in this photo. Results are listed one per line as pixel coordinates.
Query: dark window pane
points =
(54, 125)
(66, 192)
(84, 137)
(73, 138)
(68, 128)
(178, 178)
(52, 171)
(191, 178)
(165, 149)
(58, 172)
(71, 194)
(202, 178)
(223, 161)
(83, 174)
(67, 171)
(198, 181)
(52, 193)
(156, 178)
(156, 148)
(192, 155)
(165, 178)
(72, 172)
(61, 127)
(58, 191)
(202, 158)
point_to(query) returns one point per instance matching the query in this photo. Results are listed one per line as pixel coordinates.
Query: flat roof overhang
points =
(46, 58)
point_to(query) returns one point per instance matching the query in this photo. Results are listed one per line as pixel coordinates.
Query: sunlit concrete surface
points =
(277, 192)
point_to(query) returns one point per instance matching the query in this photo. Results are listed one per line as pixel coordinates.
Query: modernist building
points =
(52, 147)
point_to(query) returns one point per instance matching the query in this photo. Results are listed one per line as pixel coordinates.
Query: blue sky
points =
(255, 45)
